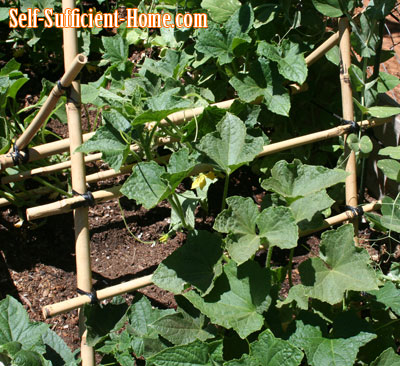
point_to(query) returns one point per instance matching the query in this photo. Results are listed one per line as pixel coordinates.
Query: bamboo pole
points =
(79, 301)
(45, 170)
(318, 136)
(59, 166)
(81, 221)
(66, 205)
(70, 74)
(344, 216)
(76, 302)
(322, 49)
(348, 113)
(42, 151)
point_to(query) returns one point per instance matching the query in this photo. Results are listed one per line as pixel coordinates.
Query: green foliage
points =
(25, 343)
(339, 268)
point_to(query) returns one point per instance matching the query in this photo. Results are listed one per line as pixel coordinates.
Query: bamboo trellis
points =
(79, 178)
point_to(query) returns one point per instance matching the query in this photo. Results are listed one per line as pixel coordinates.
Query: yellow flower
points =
(164, 238)
(200, 180)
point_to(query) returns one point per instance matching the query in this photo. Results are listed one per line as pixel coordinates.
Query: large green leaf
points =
(220, 10)
(212, 42)
(55, 344)
(117, 120)
(390, 214)
(340, 267)
(271, 351)
(389, 295)
(193, 354)
(387, 358)
(298, 180)
(262, 82)
(304, 208)
(239, 220)
(291, 62)
(278, 226)
(181, 328)
(330, 8)
(109, 142)
(168, 100)
(16, 327)
(197, 263)
(145, 184)
(101, 320)
(392, 151)
(383, 112)
(391, 168)
(141, 315)
(179, 166)
(115, 49)
(326, 351)
(238, 299)
(387, 82)
(230, 147)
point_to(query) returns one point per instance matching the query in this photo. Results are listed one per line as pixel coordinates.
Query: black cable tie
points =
(356, 211)
(76, 103)
(61, 87)
(354, 126)
(88, 200)
(17, 157)
(92, 295)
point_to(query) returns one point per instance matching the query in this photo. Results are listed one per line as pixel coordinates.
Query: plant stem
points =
(177, 207)
(226, 184)
(129, 230)
(53, 187)
(269, 256)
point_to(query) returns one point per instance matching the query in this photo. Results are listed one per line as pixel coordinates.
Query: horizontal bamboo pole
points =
(45, 170)
(69, 76)
(59, 166)
(314, 56)
(187, 114)
(65, 205)
(318, 136)
(76, 302)
(344, 216)
(42, 151)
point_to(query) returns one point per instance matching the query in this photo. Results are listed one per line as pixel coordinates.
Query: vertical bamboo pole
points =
(81, 222)
(348, 113)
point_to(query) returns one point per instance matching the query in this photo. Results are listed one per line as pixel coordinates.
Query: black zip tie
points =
(88, 200)
(17, 157)
(76, 103)
(354, 126)
(92, 295)
(61, 87)
(356, 211)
